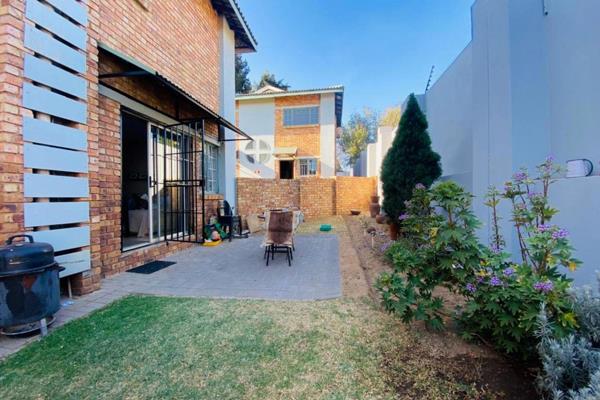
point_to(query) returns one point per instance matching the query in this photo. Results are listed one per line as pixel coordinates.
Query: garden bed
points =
(450, 355)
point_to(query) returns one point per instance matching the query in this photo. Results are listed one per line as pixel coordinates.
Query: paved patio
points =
(231, 270)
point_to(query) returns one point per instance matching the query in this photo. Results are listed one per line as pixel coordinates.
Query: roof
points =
(266, 92)
(261, 93)
(244, 39)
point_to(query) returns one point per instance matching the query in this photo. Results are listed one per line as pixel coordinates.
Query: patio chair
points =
(279, 237)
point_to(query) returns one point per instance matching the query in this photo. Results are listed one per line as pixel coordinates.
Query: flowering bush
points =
(571, 365)
(504, 299)
(437, 249)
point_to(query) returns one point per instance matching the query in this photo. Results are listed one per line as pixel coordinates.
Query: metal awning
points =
(137, 69)
(285, 152)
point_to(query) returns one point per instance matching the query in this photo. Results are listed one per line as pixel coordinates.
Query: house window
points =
(211, 175)
(308, 167)
(298, 116)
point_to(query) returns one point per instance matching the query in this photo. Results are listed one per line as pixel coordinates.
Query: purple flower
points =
(385, 246)
(520, 176)
(495, 281)
(560, 234)
(550, 159)
(479, 279)
(495, 248)
(544, 287)
(419, 186)
(402, 217)
(471, 288)
(508, 272)
(543, 228)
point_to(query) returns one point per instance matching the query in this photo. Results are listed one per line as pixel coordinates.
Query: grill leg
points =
(43, 327)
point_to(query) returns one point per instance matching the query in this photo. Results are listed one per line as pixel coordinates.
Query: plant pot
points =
(394, 228)
(380, 219)
(374, 199)
(354, 212)
(374, 209)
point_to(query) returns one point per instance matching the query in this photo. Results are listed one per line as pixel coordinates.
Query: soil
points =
(453, 358)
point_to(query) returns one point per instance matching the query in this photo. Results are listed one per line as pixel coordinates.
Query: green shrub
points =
(571, 365)
(437, 249)
(409, 161)
(504, 299)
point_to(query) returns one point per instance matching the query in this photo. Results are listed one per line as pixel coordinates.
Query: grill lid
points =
(20, 257)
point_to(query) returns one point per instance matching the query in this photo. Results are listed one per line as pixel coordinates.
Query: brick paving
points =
(231, 270)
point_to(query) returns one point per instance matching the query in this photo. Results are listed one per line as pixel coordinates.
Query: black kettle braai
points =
(29, 284)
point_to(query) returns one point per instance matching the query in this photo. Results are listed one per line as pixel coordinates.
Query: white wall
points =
(257, 118)
(227, 167)
(534, 92)
(448, 104)
(327, 121)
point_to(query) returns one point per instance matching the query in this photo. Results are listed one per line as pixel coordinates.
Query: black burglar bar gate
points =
(182, 193)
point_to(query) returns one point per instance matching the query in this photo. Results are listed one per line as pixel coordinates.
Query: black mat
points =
(151, 267)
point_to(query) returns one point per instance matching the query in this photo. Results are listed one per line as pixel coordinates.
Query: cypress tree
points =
(409, 161)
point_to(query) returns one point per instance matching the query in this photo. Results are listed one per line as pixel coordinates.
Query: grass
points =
(312, 225)
(144, 347)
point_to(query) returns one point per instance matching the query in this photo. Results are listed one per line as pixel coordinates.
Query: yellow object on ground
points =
(211, 244)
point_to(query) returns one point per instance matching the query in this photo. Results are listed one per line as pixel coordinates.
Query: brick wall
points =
(316, 197)
(354, 193)
(11, 140)
(255, 195)
(178, 38)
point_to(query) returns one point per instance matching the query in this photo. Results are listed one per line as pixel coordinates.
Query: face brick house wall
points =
(178, 38)
(11, 140)
(316, 197)
(306, 138)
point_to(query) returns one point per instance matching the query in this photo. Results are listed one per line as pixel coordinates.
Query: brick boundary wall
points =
(316, 197)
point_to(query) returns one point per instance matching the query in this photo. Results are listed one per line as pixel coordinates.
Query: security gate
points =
(178, 187)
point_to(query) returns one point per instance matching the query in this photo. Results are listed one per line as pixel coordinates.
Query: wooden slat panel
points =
(43, 43)
(45, 132)
(74, 262)
(64, 239)
(37, 185)
(43, 214)
(40, 99)
(53, 159)
(47, 18)
(72, 8)
(43, 72)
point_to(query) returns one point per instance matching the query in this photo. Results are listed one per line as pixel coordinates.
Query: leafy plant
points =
(437, 249)
(504, 299)
(410, 160)
(571, 365)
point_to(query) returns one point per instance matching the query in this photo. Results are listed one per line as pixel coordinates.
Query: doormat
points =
(151, 267)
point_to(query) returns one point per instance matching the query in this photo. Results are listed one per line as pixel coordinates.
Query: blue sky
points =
(380, 50)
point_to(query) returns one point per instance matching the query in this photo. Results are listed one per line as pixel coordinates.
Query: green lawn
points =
(152, 347)
(144, 347)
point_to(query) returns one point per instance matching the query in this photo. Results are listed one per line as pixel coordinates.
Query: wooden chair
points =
(279, 237)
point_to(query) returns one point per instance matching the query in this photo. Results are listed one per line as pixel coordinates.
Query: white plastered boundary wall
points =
(327, 144)
(227, 160)
(534, 92)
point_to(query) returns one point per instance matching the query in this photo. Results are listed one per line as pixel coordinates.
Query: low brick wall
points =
(354, 193)
(316, 197)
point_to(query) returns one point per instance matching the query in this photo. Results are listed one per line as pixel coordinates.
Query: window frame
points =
(211, 177)
(307, 161)
(295, 108)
